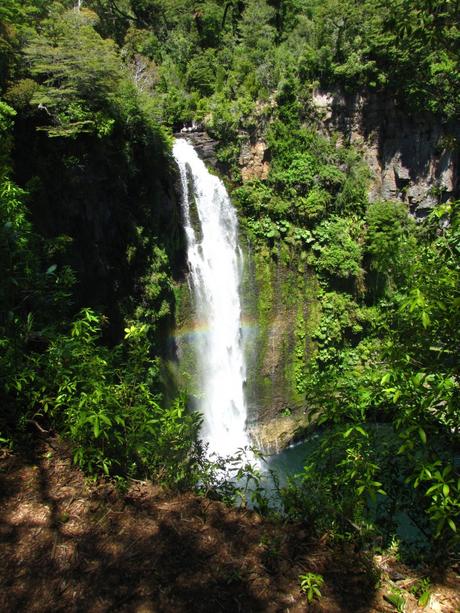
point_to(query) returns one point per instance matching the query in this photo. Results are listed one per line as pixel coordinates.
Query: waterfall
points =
(215, 263)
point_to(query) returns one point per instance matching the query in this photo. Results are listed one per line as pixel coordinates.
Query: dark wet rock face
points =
(204, 145)
(412, 158)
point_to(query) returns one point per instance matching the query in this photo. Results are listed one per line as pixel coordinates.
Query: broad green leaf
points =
(424, 599)
(425, 319)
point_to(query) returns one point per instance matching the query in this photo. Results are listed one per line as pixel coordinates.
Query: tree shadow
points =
(69, 546)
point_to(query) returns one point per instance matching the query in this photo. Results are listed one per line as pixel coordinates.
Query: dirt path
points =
(69, 546)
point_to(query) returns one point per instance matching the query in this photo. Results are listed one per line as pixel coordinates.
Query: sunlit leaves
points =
(100, 400)
(338, 249)
(78, 72)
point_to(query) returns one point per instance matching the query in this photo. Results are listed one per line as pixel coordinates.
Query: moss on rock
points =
(279, 302)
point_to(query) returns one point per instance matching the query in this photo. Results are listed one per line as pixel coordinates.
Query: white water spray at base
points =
(215, 262)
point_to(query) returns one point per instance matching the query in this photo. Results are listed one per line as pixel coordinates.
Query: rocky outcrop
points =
(254, 155)
(412, 158)
(204, 145)
(276, 434)
(254, 160)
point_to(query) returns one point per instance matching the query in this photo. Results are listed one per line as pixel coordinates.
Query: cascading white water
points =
(215, 262)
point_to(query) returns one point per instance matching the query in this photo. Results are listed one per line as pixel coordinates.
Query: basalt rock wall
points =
(414, 158)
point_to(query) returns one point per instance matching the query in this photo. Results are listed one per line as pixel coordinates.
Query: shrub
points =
(337, 249)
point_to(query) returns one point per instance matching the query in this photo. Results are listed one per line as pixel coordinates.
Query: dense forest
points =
(92, 248)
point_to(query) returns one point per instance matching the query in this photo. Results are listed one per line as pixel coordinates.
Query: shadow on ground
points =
(68, 546)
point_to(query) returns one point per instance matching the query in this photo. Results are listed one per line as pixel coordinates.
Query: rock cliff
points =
(414, 159)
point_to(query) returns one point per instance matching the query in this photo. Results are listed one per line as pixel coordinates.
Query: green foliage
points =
(237, 480)
(99, 80)
(389, 242)
(311, 584)
(313, 209)
(102, 401)
(293, 211)
(342, 323)
(299, 363)
(78, 72)
(403, 375)
(396, 598)
(337, 248)
(20, 94)
(200, 73)
(310, 170)
(157, 289)
(32, 292)
(407, 47)
(256, 37)
(343, 471)
(422, 591)
(57, 369)
(254, 48)
(6, 116)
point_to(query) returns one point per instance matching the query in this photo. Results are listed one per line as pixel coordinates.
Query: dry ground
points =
(66, 545)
